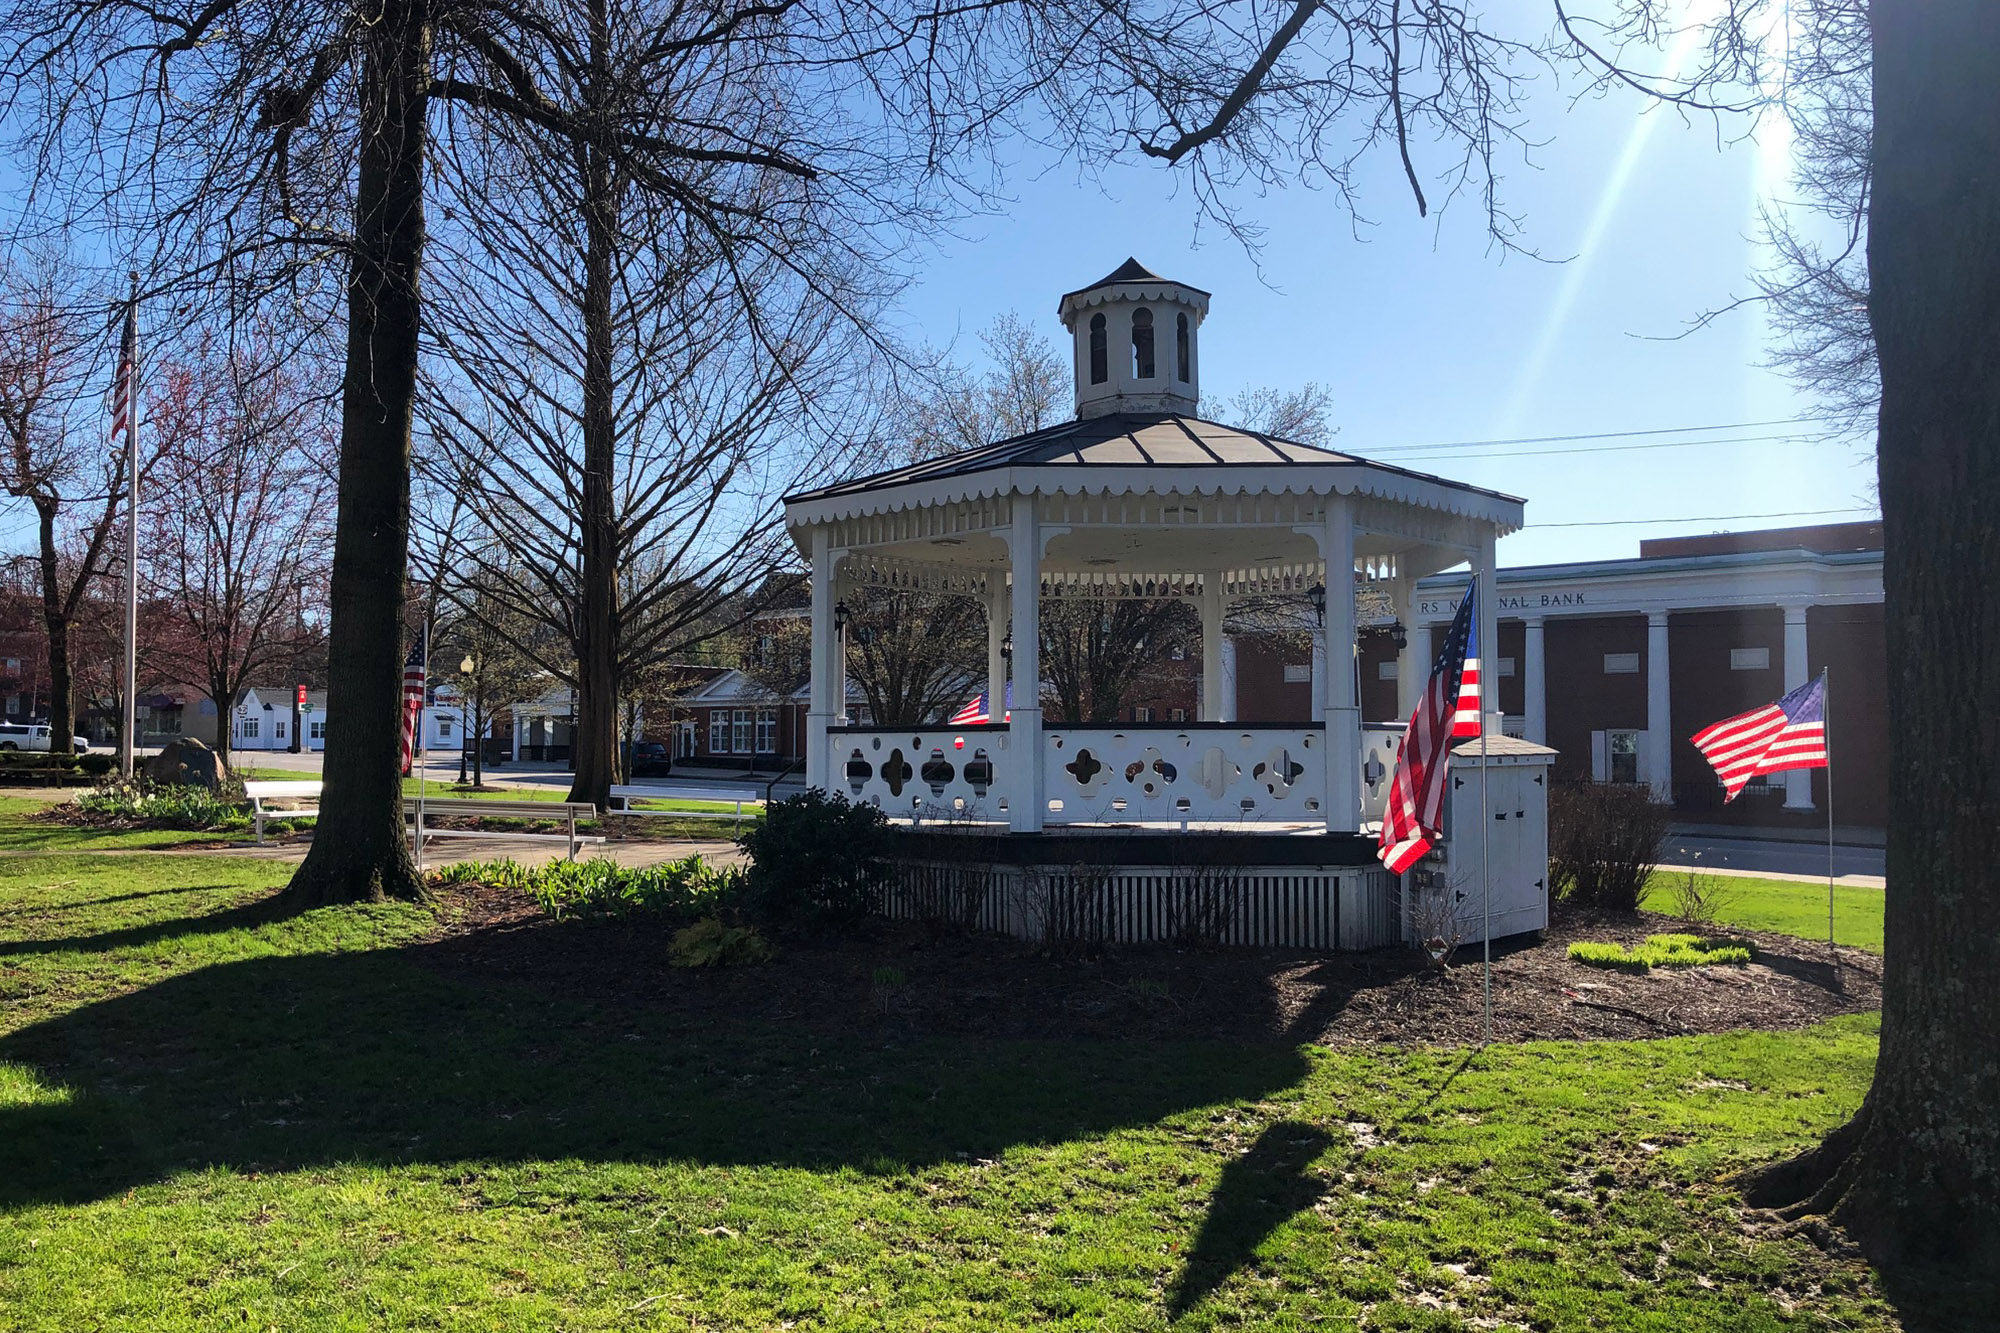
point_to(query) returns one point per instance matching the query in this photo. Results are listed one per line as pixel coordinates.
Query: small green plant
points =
(687, 889)
(1662, 951)
(710, 943)
(1702, 899)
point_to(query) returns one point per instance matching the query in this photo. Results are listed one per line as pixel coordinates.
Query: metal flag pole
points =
(129, 719)
(1485, 826)
(416, 742)
(1826, 742)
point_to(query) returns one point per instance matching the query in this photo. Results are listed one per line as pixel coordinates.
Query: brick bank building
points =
(1615, 663)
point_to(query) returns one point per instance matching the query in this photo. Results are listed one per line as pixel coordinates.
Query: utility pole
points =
(129, 722)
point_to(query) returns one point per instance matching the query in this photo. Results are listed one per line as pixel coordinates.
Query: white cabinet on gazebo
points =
(1136, 497)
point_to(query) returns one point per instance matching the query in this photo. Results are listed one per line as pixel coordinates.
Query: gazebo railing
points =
(1194, 774)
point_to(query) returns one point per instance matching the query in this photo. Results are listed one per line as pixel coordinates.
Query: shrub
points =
(1702, 899)
(816, 855)
(1662, 951)
(1604, 841)
(710, 943)
(685, 889)
(164, 804)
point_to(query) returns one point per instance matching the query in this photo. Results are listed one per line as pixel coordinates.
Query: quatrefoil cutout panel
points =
(1278, 772)
(1088, 771)
(1151, 772)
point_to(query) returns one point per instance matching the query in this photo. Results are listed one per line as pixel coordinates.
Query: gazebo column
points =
(826, 668)
(1026, 799)
(1216, 680)
(1228, 700)
(996, 640)
(1341, 709)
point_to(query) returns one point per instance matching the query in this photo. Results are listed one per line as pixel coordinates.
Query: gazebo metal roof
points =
(1127, 441)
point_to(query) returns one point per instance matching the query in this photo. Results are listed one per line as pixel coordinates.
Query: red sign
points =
(302, 696)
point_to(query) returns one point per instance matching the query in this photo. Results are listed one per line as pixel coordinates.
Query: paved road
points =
(1773, 859)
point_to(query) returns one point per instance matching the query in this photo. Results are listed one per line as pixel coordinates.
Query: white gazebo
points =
(1137, 497)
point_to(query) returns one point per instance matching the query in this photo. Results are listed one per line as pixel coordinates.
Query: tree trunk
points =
(225, 708)
(358, 851)
(62, 724)
(1915, 1177)
(594, 737)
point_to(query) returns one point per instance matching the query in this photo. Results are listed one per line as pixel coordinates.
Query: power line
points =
(1625, 448)
(1612, 434)
(1699, 518)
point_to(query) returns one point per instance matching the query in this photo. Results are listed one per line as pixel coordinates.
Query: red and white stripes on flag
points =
(1415, 813)
(413, 704)
(1465, 723)
(1790, 733)
(125, 385)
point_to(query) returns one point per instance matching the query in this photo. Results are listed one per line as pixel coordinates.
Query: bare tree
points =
(239, 555)
(70, 471)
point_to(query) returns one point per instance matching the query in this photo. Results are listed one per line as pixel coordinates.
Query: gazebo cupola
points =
(1135, 338)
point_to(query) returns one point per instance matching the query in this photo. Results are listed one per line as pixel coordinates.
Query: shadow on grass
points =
(263, 911)
(1258, 1193)
(299, 1061)
(72, 904)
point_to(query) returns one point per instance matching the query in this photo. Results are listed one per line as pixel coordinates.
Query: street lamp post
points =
(466, 666)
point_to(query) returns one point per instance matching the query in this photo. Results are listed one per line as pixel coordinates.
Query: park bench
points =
(568, 812)
(281, 800)
(622, 798)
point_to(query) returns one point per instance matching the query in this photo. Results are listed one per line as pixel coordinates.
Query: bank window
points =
(278, 729)
(1621, 664)
(1623, 747)
(1749, 659)
(740, 741)
(251, 728)
(767, 731)
(718, 731)
(317, 730)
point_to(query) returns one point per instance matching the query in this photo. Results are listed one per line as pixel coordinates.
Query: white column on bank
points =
(1798, 781)
(1342, 711)
(1227, 710)
(996, 639)
(1210, 709)
(820, 708)
(1534, 682)
(1659, 710)
(1488, 571)
(1024, 786)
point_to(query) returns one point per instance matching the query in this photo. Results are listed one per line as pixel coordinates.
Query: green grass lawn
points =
(217, 1114)
(1786, 907)
(20, 831)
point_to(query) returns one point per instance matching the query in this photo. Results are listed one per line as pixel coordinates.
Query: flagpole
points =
(1826, 733)
(129, 720)
(1487, 654)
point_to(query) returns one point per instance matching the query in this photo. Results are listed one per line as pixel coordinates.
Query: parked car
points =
(23, 736)
(80, 744)
(650, 759)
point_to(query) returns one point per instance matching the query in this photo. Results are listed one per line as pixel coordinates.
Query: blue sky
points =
(1426, 334)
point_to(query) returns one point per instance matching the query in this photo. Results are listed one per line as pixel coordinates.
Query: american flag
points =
(1465, 722)
(413, 703)
(976, 711)
(1415, 813)
(125, 386)
(1790, 733)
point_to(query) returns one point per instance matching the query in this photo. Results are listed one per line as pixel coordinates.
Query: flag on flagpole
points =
(413, 703)
(978, 711)
(1790, 733)
(125, 385)
(1415, 813)
(1465, 723)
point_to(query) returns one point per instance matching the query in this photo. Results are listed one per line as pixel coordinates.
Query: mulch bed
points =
(892, 979)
